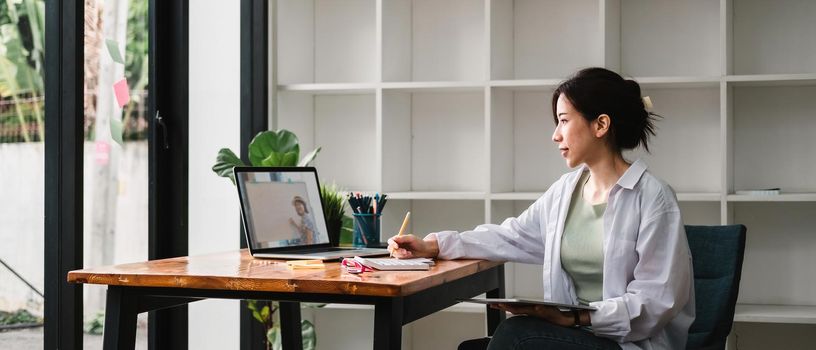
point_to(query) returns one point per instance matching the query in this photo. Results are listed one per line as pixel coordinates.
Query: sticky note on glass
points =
(113, 50)
(120, 89)
(116, 130)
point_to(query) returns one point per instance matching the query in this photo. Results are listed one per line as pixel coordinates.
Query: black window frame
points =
(64, 138)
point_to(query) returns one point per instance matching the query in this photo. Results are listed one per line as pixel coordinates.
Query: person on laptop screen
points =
(306, 225)
(608, 234)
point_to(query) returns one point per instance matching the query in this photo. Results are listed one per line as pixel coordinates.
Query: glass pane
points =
(21, 175)
(116, 169)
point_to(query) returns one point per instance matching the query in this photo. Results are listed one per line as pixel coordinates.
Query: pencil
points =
(404, 223)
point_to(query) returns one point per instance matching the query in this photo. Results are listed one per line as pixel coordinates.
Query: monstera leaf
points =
(268, 148)
(224, 162)
(271, 148)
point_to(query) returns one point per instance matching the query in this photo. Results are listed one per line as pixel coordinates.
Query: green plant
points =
(274, 148)
(22, 26)
(264, 312)
(334, 208)
(18, 317)
(96, 325)
(268, 148)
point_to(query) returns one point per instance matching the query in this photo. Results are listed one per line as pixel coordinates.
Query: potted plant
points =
(274, 149)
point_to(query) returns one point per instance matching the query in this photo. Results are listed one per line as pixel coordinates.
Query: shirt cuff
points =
(446, 240)
(611, 319)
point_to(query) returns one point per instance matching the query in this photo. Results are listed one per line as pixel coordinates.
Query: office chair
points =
(717, 253)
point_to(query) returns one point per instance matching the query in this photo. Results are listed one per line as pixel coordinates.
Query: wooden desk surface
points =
(237, 270)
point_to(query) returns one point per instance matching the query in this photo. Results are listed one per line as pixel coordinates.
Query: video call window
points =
(283, 209)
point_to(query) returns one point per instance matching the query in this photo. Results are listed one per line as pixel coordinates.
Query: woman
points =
(608, 234)
(306, 227)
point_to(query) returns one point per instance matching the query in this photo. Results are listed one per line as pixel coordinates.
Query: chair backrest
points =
(717, 253)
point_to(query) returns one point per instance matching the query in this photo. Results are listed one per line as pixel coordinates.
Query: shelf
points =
(526, 84)
(783, 197)
(797, 314)
(330, 88)
(698, 197)
(450, 86)
(437, 195)
(516, 196)
(771, 79)
(678, 82)
(682, 197)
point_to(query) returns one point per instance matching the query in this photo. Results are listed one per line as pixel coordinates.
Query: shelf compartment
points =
(528, 39)
(426, 40)
(431, 216)
(688, 137)
(773, 38)
(433, 141)
(773, 139)
(326, 41)
(798, 314)
(523, 156)
(333, 122)
(657, 38)
(779, 259)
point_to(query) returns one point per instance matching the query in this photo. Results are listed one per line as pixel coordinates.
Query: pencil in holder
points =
(366, 230)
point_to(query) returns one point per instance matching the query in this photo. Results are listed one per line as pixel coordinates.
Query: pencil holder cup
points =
(366, 230)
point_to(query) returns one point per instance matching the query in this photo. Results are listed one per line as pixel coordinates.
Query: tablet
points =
(527, 302)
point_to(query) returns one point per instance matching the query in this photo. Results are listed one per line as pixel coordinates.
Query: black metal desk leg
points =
(494, 316)
(291, 334)
(388, 318)
(120, 319)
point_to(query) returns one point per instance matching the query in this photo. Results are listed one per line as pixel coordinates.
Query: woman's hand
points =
(410, 246)
(548, 313)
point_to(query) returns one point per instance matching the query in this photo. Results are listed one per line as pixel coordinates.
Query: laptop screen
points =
(282, 208)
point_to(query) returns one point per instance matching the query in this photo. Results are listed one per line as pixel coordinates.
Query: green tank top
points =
(582, 245)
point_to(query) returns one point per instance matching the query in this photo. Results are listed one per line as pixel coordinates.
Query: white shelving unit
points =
(445, 105)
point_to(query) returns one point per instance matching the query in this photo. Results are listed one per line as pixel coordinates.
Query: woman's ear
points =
(601, 125)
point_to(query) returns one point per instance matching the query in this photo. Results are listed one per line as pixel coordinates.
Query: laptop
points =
(282, 214)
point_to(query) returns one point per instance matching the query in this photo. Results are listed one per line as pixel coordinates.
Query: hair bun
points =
(633, 86)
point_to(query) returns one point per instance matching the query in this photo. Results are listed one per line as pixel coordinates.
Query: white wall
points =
(214, 123)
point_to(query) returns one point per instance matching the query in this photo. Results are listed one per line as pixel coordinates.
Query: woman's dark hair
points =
(596, 91)
(299, 199)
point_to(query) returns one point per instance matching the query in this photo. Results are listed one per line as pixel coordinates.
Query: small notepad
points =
(389, 264)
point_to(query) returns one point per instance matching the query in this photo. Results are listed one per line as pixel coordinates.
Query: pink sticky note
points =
(122, 92)
(102, 152)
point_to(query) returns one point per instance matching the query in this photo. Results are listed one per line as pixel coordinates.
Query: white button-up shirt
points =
(648, 286)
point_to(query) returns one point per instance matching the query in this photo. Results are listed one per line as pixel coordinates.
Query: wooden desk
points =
(399, 297)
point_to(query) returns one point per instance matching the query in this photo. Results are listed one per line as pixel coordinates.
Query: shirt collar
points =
(632, 175)
(628, 180)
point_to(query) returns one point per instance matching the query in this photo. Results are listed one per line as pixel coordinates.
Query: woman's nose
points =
(556, 136)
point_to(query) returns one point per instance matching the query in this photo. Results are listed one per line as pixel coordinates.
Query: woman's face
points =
(573, 134)
(299, 208)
